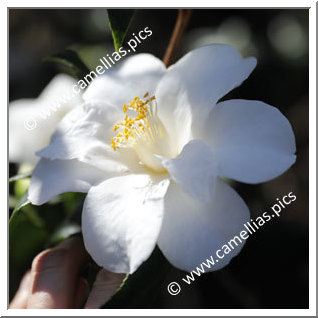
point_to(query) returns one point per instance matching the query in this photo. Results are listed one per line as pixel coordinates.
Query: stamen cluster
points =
(132, 128)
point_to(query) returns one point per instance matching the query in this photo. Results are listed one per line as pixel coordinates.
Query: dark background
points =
(272, 269)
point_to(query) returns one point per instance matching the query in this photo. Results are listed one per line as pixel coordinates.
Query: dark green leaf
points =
(26, 233)
(140, 289)
(119, 21)
(72, 202)
(21, 203)
(71, 62)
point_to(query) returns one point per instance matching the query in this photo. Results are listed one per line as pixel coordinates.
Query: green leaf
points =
(26, 233)
(23, 201)
(71, 62)
(72, 202)
(119, 21)
(141, 288)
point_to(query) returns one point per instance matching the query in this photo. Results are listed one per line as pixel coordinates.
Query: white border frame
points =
(312, 161)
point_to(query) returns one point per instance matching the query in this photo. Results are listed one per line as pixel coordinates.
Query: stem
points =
(179, 28)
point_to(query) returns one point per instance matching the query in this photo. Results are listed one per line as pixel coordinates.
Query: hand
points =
(54, 280)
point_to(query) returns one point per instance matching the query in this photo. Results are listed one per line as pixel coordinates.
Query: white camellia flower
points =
(149, 145)
(33, 121)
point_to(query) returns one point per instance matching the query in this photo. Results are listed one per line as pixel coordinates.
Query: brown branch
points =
(179, 28)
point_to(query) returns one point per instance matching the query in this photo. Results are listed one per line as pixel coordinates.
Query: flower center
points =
(142, 130)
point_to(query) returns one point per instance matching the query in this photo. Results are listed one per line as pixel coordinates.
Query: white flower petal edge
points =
(121, 220)
(133, 77)
(53, 177)
(194, 170)
(193, 230)
(252, 141)
(24, 143)
(193, 85)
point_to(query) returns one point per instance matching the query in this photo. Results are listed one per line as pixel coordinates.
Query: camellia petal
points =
(197, 81)
(193, 230)
(33, 121)
(194, 170)
(53, 177)
(27, 133)
(252, 141)
(121, 221)
(59, 96)
(133, 77)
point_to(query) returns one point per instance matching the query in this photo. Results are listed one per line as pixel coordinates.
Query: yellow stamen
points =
(144, 125)
(113, 144)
